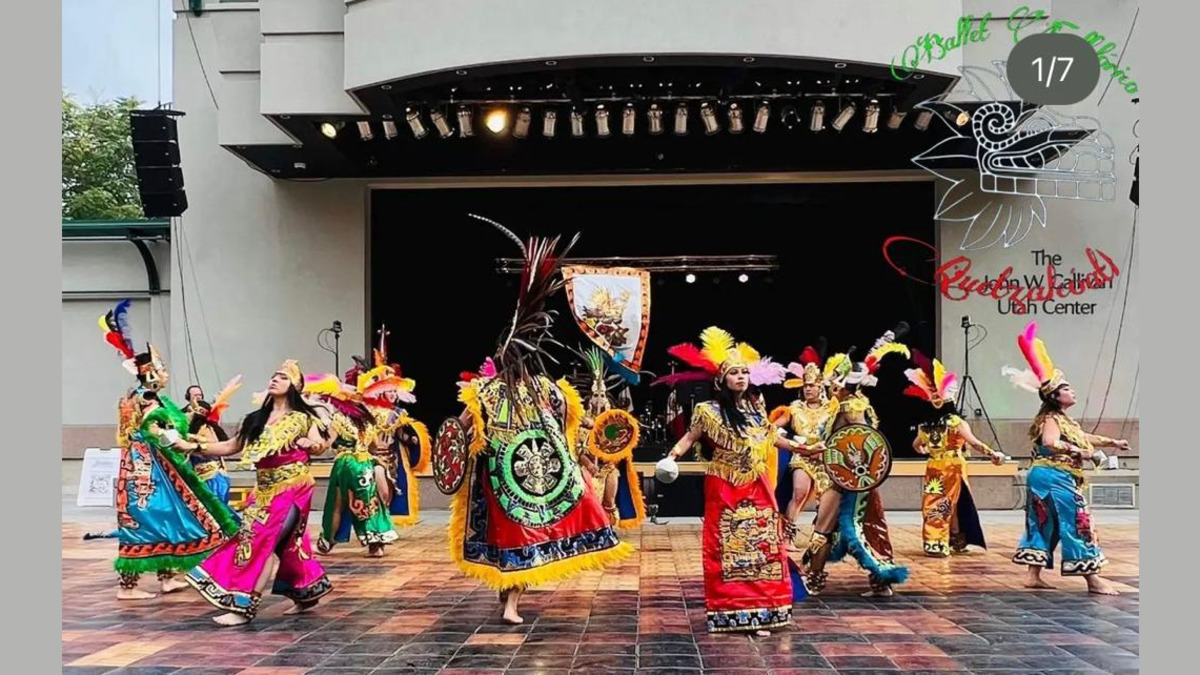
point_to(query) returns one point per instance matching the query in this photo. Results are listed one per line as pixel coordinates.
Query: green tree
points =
(98, 176)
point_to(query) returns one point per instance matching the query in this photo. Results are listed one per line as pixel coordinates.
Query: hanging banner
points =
(611, 305)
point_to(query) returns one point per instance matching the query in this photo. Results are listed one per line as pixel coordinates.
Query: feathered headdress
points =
(717, 355)
(862, 374)
(1042, 377)
(221, 402)
(148, 366)
(520, 355)
(343, 397)
(931, 381)
(808, 369)
(374, 383)
(488, 369)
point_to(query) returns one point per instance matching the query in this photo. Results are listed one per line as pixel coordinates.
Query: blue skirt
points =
(1057, 512)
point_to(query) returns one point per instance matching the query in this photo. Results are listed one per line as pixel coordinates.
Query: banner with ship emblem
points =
(611, 305)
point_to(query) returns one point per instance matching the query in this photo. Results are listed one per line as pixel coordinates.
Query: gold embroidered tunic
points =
(739, 458)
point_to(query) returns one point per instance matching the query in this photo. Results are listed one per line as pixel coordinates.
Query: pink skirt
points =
(228, 577)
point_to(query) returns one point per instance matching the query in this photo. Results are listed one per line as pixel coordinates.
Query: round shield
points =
(613, 436)
(450, 456)
(857, 458)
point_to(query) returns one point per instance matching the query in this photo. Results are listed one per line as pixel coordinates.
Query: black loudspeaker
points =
(156, 159)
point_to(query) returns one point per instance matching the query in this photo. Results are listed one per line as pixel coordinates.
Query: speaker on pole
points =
(156, 158)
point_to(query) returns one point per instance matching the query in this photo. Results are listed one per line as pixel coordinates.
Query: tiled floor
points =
(412, 613)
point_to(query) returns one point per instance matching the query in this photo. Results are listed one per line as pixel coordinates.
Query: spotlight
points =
(844, 117)
(390, 130)
(465, 130)
(364, 130)
(816, 117)
(576, 123)
(789, 117)
(414, 121)
(496, 120)
(441, 124)
(521, 127)
(330, 129)
(681, 115)
(549, 119)
(762, 117)
(895, 119)
(923, 120)
(602, 121)
(736, 125)
(690, 278)
(628, 119)
(871, 120)
(743, 278)
(654, 115)
(962, 119)
(709, 117)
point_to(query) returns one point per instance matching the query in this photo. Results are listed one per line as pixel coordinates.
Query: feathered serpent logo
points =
(1020, 150)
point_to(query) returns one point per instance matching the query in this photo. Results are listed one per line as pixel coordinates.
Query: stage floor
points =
(412, 613)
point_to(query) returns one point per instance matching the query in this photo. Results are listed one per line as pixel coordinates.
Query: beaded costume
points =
(606, 442)
(805, 423)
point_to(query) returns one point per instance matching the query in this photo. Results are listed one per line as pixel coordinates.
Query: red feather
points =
(467, 376)
(117, 341)
(918, 392)
(923, 363)
(809, 355)
(691, 355)
(677, 378)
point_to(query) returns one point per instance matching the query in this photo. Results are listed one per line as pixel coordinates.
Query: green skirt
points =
(353, 501)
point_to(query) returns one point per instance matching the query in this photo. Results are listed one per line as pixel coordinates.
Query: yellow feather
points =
(746, 353)
(716, 344)
(939, 375)
(1043, 357)
(890, 348)
(832, 364)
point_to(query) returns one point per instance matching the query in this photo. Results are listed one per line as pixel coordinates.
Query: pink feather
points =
(488, 369)
(766, 372)
(949, 385)
(1025, 342)
(796, 369)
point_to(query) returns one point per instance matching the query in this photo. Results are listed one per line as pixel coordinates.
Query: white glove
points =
(667, 470)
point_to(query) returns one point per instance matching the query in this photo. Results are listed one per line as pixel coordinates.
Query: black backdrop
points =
(434, 279)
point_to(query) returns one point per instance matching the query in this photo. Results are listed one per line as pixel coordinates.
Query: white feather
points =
(1023, 379)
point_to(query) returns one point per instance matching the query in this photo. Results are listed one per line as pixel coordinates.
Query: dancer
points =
(951, 522)
(747, 580)
(204, 424)
(853, 522)
(524, 514)
(1056, 509)
(353, 499)
(804, 479)
(277, 439)
(402, 445)
(606, 440)
(167, 520)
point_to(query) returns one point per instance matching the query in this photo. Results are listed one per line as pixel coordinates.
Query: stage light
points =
(549, 120)
(681, 115)
(521, 127)
(923, 120)
(602, 121)
(389, 129)
(465, 130)
(896, 119)
(789, 117)
(691, 278)
(736, 125)
(414, 121)
(709, 117)
(496, 120)
(576, 123)
(654, 115)
(844, 117)
(628, 119)
(330, 129)
(816, 117)
(441, 124)
(364, 130)
(762, 117)
(871, 121)
(962, 119)
(743, 278)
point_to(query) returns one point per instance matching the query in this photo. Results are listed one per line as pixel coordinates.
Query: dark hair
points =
(734, 415)
(188, 392)
(254, 423)
(932, 416)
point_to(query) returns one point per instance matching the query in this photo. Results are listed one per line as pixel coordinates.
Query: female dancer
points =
(1056, 509)
(747, 581)
(606, 440)
(205, 425)
(277, 439)
(524, 514)
(353, 498)
(853, 523)
(805, 418)
(951, 522)
(167, 519)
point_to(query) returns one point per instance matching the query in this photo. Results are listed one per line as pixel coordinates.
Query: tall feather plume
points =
(694, 357)
(809, 355)
(1034, 351)
(115, 324)
(221, 402)
(765, 372)
(716, 344)
(1022, 379)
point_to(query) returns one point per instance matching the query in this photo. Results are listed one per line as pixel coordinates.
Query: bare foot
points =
(134, 594)
(881, 593)
(1100, 586)
(231, 619)
(510, 615)
(1038, 583)
(763, 633)
(300, 607)
(173, 584)
(374, 551)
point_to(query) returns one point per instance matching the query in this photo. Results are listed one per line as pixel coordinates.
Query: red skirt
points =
(747, 585)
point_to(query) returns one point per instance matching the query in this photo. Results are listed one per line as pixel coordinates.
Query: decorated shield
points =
(614, 435)
(858, 458)
(450, 456)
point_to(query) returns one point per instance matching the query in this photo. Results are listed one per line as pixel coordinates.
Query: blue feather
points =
(630, 376)
(120, 315)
